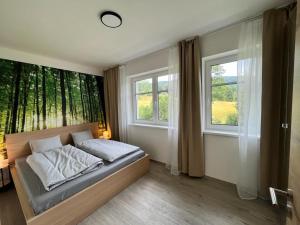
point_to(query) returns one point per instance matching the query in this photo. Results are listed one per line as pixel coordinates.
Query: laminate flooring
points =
(162, 199)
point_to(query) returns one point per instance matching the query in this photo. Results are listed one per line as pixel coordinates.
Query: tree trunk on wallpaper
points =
(63, 98)
(18, 69)
(26, 88)
(74, 98)
(85, 99)
(19, 108)
(6, 130)
(8, 112)
(55, 95)
(95, 104)
(10, 118)
(25, 84)
(33, 113)
(81, 98)
(37, 98)
(70, 95)
(101, 98)
(89, 98)
(44, 97)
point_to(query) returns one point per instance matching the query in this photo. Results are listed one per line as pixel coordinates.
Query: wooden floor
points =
(162, 199)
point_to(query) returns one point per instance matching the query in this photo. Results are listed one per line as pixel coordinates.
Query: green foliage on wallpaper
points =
(35, 97)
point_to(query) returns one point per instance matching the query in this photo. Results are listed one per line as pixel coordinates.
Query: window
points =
(150, 98)
(221, 109)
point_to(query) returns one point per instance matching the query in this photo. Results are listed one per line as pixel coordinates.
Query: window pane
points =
(224, 105)
(143, 86)
(224, 73)
(144, 103)
(163, 83)
(163, 106)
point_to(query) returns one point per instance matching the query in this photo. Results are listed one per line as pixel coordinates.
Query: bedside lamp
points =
(5, 178)
(100, 131)
(2, 151)
(106, 134)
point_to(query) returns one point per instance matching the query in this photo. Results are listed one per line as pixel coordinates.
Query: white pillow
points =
(79, 137)
(45, 144)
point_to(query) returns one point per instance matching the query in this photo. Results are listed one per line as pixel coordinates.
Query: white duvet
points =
(107, 149)
(56, 166)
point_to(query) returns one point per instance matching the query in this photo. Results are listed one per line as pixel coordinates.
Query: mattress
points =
(41, 200)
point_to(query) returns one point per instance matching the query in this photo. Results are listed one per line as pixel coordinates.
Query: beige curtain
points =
(111, 83)
(190, 143)
(277, 76)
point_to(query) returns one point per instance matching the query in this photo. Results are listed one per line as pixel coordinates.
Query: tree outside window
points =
(151, 98)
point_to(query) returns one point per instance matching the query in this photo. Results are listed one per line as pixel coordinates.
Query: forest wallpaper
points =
(34, 97)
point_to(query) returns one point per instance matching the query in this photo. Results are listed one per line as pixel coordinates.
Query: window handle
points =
(288, 194)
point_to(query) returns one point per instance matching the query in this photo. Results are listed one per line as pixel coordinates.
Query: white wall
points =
(149, 62)
(221, 152)
(220, 41)
(26, 57)
(221, 157)
(151, 139)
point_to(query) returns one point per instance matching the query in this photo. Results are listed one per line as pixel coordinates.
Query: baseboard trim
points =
(158, 162)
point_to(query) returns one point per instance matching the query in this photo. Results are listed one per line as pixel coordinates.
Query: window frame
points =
(207, 62)
(155, 93)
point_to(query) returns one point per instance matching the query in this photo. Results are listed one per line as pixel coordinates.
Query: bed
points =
(90, 192)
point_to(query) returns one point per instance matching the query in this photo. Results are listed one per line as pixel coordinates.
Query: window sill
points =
(221, 133)
(149, 125)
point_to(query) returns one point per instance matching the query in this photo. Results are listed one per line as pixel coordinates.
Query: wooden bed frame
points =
(75, 208)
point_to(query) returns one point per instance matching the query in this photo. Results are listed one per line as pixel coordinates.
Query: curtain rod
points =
(225, 27)
(258, 16)
(233, 24)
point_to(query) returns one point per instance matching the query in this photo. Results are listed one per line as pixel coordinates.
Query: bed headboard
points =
(17, 144)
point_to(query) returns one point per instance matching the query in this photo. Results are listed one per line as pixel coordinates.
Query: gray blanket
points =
(56, 166)
(107, 149)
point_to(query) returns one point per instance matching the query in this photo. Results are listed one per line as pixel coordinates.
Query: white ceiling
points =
(71, 30)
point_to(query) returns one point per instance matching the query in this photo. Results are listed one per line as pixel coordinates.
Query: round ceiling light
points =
(111, 19)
